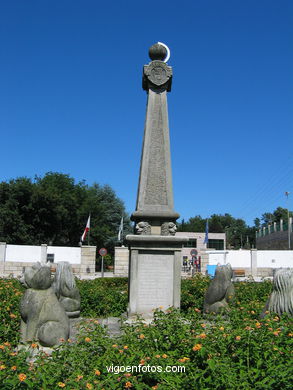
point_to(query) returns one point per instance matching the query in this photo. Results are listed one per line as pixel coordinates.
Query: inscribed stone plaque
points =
(155, 280)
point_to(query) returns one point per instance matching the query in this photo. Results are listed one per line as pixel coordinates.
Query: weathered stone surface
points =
(155, 193)
(154, 273)
(220, 291)
(143, 228)
(42, 317)
(155, 252)
(65, 289)
(157, 75)
(155, 280)
(168, 229)
(281, 299)
(157, 52)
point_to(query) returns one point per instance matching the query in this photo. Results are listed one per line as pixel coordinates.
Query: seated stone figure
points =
(43, 318)
(281, 299)
(220, 291)
(66, 290)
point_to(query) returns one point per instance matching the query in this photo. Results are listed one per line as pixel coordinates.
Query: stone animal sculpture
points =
(168, 229)
(143, 228)
(220, 291)
(43, 318)
(281, 298)
(66, 291)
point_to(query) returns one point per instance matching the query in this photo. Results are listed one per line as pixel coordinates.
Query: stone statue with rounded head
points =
(66, 290)
(43, 318)
(220, 291)
(281, 299)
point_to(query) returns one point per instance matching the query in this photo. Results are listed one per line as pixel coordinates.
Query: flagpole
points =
(89, 232)
(120, 233)
(206, 239)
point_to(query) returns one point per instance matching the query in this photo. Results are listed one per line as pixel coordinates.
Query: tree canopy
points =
(275, 216)
(54, 209)
(238, 234)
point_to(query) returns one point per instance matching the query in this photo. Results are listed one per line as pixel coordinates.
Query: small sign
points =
(50, 257)
(193, 252)
(103, 252)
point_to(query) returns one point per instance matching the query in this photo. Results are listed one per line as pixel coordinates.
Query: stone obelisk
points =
(155, 251)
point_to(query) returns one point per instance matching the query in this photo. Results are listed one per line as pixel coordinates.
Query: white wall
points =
(62, 253)
(237, 259)
(23, 253)
(29, 253)
(242, 258)
(275, 259)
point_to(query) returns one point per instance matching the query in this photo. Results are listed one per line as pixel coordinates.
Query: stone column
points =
(281, 225)
(44, 253)
(253, 264)
(121, 260)
(155, 251)
(88, 260)
(2, 257)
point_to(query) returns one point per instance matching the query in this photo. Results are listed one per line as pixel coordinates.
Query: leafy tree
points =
(281, 213)
(257, 223)
(195, 224)
(54, 209)
(269, 218)
(15, 211)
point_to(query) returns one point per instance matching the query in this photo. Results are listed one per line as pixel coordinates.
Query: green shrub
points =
(103, 297)
(11, 291)
(236, 351)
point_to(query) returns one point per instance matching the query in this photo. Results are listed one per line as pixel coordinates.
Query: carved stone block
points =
(143, 228)
(168, 229)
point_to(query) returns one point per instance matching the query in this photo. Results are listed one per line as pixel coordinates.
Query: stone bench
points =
(239, 273)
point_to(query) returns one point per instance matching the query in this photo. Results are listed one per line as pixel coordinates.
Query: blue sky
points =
(71, 99)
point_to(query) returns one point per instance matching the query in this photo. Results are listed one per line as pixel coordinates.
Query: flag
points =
(206, 239)
(86, 230)
(120, 233)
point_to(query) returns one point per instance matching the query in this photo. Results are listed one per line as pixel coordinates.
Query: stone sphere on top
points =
(157, 52)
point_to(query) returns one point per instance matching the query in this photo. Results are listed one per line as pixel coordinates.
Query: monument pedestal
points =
(154, 273)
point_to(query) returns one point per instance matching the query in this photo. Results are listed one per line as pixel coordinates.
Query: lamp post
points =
(289, 227)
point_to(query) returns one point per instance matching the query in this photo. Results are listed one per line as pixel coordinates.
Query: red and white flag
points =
(86, 230)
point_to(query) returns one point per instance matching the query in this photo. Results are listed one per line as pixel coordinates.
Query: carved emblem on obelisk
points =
(158, 73)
